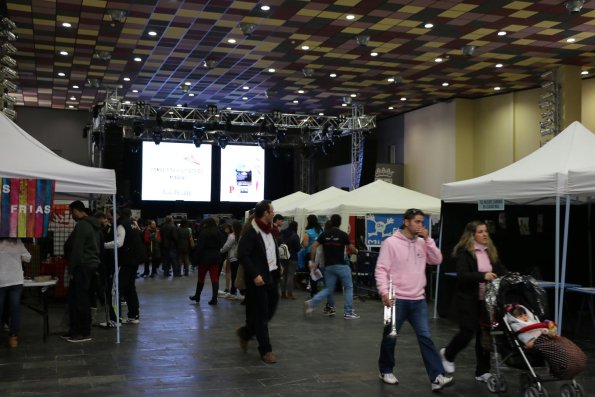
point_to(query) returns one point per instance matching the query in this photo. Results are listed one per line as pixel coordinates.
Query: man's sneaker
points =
(350, 316)
(449, 366)
(441, 382)
(79, 338)
(133, 320)
(329, 310)
(389, 378)
(107, 324)
(484, 378)
(308, 309)
(65, 336)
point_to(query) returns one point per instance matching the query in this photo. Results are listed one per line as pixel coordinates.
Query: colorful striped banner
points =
(25, 207)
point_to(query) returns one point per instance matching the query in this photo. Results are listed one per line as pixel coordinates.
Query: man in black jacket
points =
(257, 252)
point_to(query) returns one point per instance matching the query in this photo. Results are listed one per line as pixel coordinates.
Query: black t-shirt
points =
(334, 242)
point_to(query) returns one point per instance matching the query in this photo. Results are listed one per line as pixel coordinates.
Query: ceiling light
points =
(64, 53)
(390, 108)
(231, 41)
(333, 75)
(135, 91)
(497, 88)
(321, 114)
(429, 25)
(75, 87)
(271, 70)
(126, 102)
(502, 33)
(296, 101)
(191, 94)
(70, 106)
(179, 105)
(391, 79)
(343, 104)
(445, 84)
(585, 72)
(187, 83)
(66, 24)
(228, 108)
(126, 78)
(265, 7)
(438, 59)
(499, 65)
(350, 17)
(301, 91)
(305, 47)
(353, 95)
(245, 98)
(137, 59)
(403, 98)
(73, 98)
(570, 40)
(152, 33)
(374, 54)
(245, 87)
(61, 74)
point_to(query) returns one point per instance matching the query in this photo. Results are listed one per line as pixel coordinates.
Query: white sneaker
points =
(484, 378)
(449, 366)
(389, 378)
(308, 309)
(441, 382)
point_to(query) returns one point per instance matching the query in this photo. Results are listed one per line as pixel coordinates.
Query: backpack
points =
(284, 252)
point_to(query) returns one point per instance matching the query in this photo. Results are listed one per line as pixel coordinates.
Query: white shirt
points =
(270, 246)
(12, 252)
(120, 235)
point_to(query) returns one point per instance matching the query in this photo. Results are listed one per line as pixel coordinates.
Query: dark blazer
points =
(252, 255)
(466, 301)
(207, 248)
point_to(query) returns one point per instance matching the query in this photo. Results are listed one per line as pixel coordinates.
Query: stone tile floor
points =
(186, 349)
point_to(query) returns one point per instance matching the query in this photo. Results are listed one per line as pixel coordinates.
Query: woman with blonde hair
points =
(477, 263)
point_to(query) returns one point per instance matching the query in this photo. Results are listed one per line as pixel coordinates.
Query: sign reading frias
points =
(25, 207)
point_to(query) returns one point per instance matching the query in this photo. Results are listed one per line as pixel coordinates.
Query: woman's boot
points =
(213, 300)
(196, 297)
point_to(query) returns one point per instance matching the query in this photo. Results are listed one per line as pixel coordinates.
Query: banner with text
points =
(25, 207)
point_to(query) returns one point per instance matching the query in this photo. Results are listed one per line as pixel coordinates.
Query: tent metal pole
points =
(557, 260)
(116, 304)
(589, 241)
(564, 253)
(438, 269)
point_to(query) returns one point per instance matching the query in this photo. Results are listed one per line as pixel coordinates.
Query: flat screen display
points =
(176, 171)
(242, 173)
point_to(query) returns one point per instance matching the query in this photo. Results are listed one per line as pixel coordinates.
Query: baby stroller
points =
(511, 290)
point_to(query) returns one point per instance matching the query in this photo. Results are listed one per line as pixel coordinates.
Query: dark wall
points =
(391, 132)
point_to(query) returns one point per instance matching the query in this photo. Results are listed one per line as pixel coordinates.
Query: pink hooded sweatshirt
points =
(405, 260)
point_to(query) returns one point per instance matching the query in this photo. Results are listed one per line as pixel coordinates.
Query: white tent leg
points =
(438, 269)
(116, 275)
(557, 261)
(563, 272)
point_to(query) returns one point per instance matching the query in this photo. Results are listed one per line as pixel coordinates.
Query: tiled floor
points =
(186, 349)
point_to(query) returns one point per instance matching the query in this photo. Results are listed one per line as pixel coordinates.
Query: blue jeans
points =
(331, 274)
(13, 293)
(416, 312)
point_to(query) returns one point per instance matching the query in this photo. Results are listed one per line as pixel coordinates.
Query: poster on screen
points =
(175, 171)
(242, 173)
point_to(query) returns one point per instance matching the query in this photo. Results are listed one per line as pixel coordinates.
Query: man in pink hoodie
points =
(403, 258)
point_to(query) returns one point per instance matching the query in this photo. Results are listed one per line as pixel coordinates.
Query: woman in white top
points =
(12, 254)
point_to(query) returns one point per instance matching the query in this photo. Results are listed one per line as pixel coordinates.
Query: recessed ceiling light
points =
(350, 17)
(126, 102)
(353, 95)
(70, 106)
(570, 40)
(61, 74)
(445, 84)
(585, 72)
(73, 98)
(75, 87)
(245, 98)
(245, 87)
(137, 59)
(296, 101)
(403, 98)
(228, 108)
(499, 65)
(67, 24)
(321, 114)
(135, 91)
(187, 83)
(301, 91)
(438, 59)
(265, 7)
(126, 78)
(64, 53)
(152, 33)
(429, 25)
(390, 108)
(343, 104)
(333, 75)
(191, 94)
(391, 79)
(501, 33)
(179, 105)
(374, 54)
(497, 88)
(231, 41)
(305, 47)
(271, 70)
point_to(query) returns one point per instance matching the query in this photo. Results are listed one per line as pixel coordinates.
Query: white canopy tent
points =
(22, 156)
(289, 202)
(539, 178)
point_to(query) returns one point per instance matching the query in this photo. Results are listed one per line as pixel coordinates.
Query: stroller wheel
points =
(569, 390)
(496, 384)
(533, 391)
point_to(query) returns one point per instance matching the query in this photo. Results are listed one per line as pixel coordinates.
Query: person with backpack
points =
(289, 245)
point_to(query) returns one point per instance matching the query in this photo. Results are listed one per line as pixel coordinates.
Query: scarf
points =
(264, 227)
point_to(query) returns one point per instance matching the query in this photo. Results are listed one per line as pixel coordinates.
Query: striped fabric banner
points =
(25, 207)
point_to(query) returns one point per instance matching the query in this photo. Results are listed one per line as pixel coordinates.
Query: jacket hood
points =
(91, 220)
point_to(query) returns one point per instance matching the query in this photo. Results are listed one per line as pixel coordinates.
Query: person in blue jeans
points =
(334, 242)
(402, 261)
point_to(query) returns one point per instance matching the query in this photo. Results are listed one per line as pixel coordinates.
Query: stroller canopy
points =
(513, 289)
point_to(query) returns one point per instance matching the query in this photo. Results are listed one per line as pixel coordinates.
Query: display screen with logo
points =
(242, 173)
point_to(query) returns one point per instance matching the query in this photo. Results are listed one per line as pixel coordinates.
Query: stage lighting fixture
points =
(117, 15)
(280, 135)
(468, 49)
(247, 28)
(326, 147)
(8, 48)
(210, 63)
(362, 39)
(263, 125)
(158, 120)
(138, 127)
(197, 138)
(347, 100)
(308, 72)
(262, 142)
(574, 6)
(270, 93)
(222, 141)
(157, 136)
(228, 123)
(8, 24)
(211, 110)
(277, 114)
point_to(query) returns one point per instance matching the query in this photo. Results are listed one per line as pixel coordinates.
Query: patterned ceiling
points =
(101, 48)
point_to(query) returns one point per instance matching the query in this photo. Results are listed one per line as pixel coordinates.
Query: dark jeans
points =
(153, 263)
(170, 261)
(261, 303)
(12, 294)
(234, 272)
(128, 289)
(79, 303)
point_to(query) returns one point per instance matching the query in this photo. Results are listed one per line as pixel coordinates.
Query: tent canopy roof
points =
(22, 156)
(535, 178)
(290, 201)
